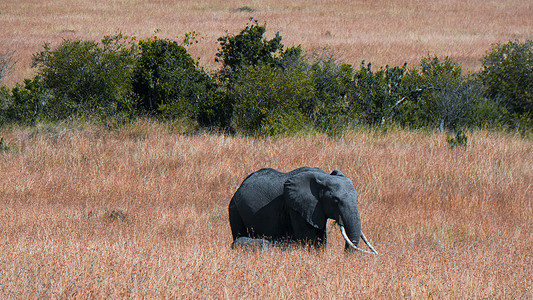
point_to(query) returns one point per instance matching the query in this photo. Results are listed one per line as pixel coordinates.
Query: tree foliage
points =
(90, 77)
(271, 100)
(508, 75)
(264, 88)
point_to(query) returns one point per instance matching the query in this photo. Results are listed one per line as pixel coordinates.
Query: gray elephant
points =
(274, 207)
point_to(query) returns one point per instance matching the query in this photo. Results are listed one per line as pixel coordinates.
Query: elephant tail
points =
(345, 236)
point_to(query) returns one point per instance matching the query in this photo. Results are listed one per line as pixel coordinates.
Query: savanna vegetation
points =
(119, 153)
(142, 212)
(266, 88)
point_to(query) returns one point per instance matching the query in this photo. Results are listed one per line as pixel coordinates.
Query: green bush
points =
(443, 97)
(271, 101)
(507, 71)
(373, 96)
(33, 102)
(250, 48)
(166, 75)
(169, 82)
(90, 78)
(4, 147)
(263, 88)
(331, 80)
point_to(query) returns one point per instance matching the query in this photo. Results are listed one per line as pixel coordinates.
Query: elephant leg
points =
(238, 229)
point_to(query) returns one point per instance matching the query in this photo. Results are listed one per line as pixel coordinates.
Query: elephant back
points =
(259, 189)
(264, 187)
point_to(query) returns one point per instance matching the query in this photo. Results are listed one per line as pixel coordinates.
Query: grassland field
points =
(141, 211)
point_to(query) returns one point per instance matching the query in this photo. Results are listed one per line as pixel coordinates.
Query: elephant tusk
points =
(345, 236)
(363, 237)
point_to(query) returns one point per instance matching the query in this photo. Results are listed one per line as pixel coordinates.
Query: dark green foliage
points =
(263, 88)
(116, 216)
(33, 102)
(443, 98)
(327, 110)
(170, 82)
(250, 48)
(165, 74)
(508, 74)
(460, 140)
(374, 96)
(91, 78)
(5, 104)
(215, 110)
(244, 9)
(271, 100)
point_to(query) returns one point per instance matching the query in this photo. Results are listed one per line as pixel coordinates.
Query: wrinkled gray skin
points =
(273, 207)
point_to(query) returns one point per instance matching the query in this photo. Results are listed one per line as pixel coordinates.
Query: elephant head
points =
(317, 196)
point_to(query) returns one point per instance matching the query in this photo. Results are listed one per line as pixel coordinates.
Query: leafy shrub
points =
(33, 102)
(171, 83)
(444, 98)
(507, 71)
(165, 73)
(86, 77)
(331, 80)
(116, 216)
(250, 48)
(5, 104)
(269, 100)
(374, 95)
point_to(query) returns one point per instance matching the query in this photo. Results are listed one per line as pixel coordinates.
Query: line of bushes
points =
(265, 88)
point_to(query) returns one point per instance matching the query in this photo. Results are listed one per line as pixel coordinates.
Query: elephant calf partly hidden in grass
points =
(274, 207)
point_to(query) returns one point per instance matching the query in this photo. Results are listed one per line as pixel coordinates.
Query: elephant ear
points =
(302, 193)
(337, 173)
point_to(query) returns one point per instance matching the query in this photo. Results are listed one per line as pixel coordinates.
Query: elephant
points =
(272, 207)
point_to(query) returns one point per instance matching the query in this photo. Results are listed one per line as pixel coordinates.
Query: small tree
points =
(331, 79)
(247, 48)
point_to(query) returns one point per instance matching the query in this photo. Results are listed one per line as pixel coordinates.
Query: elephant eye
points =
(336, 200)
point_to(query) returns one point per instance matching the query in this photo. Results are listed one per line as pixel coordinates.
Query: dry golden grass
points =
(378, 31)
(142, 213)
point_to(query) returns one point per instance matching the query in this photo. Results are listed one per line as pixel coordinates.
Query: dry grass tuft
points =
(142, 212)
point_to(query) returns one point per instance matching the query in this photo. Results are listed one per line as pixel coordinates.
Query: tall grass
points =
(381, 32)
(142, 212)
